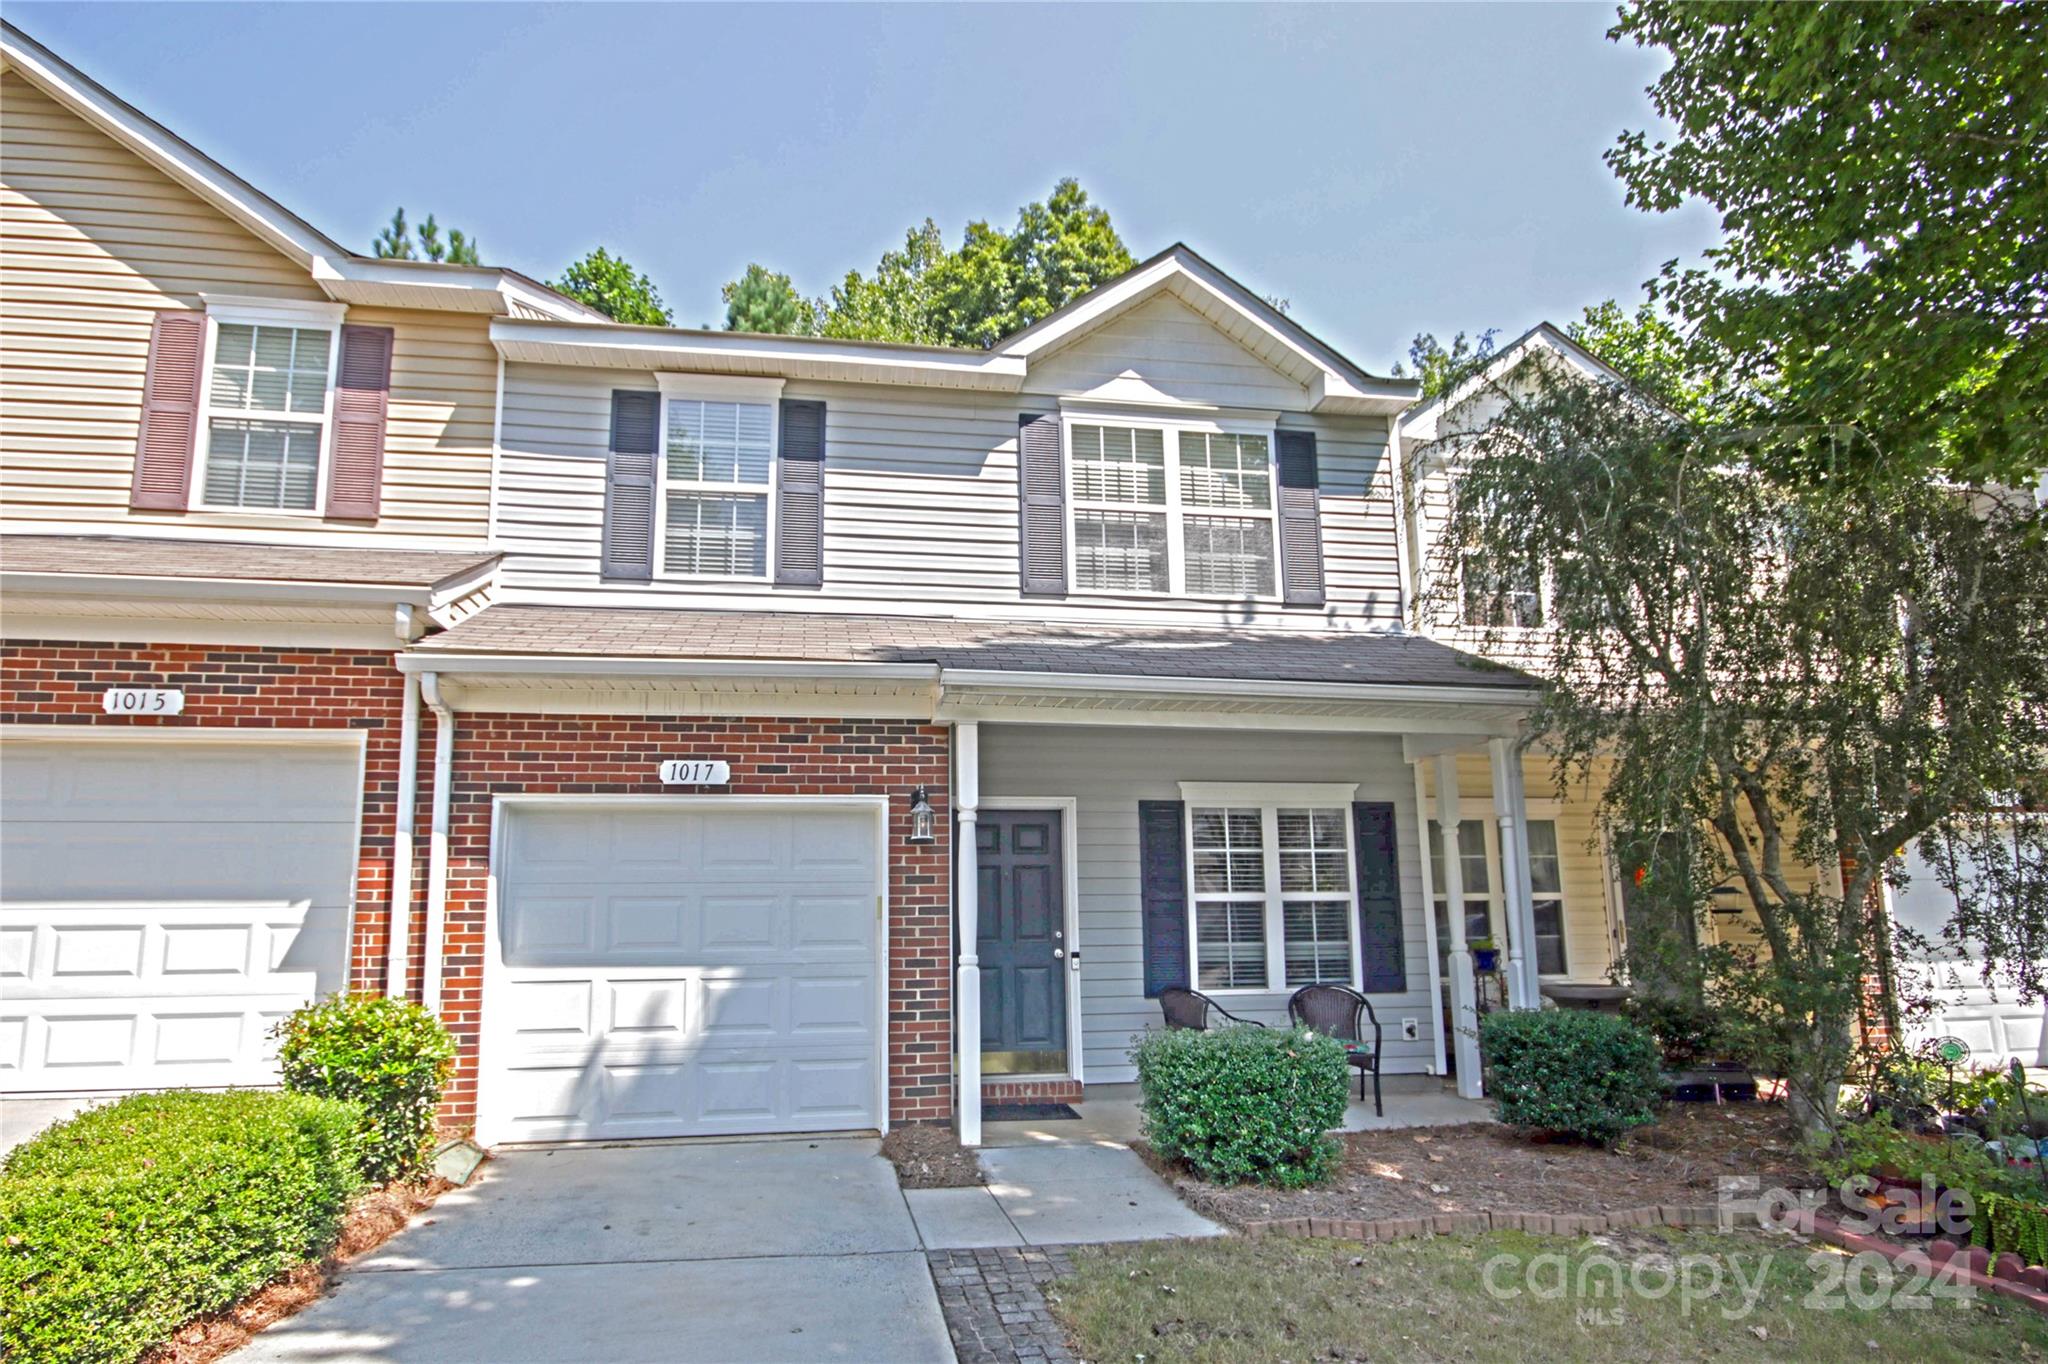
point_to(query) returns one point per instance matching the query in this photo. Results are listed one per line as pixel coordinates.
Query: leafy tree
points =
(1774, 677)
(1653, 354)
(995, 284)
(763, 301)
(1442, 368)
(1881, 172)
(395, 243)
(613, 287)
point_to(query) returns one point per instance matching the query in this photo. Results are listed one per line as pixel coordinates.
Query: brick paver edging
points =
(2007, 1275)
(994, 1303)
(1473, 1223)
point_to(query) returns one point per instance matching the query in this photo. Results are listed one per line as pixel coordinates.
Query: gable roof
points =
(344, 275)
(1420, 425)
(1334, 384)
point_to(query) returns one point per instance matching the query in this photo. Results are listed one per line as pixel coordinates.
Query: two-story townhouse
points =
(810, 735)
(240, 467)
(1583, 878)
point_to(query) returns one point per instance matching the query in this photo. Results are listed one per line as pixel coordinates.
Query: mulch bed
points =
(373, 1219)
(1483, 1167)
(928, 1156)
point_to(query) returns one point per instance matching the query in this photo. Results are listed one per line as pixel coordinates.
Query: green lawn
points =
(1235, 1301)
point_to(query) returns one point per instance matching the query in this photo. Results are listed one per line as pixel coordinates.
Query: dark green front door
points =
(1022, 943)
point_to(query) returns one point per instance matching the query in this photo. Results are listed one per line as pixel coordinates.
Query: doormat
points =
(1028, 1113)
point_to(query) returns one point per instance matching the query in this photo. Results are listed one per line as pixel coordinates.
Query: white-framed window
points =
(267, 404)
(1172, 508)
(1485, 911)
(1492, 597)
(717, 477)
(1272, 896)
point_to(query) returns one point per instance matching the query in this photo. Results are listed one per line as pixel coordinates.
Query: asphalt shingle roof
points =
(147, 558)
(1001, 646)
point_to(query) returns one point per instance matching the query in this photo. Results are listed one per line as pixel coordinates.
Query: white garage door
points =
(163, 902)
(656, 971)
(1998, 1027)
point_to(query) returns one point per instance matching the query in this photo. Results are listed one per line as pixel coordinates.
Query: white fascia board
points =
(552, 665)
(465, 288)
(1103, 306)
(1180, 688)
(145, 588)
(622, 347)
(269, 220)
(1421, 424)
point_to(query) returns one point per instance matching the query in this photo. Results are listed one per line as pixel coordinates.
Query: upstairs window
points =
(1499, 598)
(718, 464)
(1169, 510)
(268, 406)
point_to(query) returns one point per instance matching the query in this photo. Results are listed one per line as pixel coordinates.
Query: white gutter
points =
(398, 938)
(1238, 688)
(212, 589)
(437, 846)
(550, 665)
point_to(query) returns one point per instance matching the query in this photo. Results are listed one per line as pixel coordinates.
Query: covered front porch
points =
(1242, 842)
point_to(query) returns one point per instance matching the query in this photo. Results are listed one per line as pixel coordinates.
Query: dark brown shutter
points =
(170, 412)
(1382, 953)
(1163, 893)
(800, 495)
(627, 553)
(1301, 527)
(362, 398)
(1041, 507)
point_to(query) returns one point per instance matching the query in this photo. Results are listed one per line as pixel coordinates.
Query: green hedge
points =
(389, 1056)
(1244, 1104)
(1591, 1075)
(122, 1224)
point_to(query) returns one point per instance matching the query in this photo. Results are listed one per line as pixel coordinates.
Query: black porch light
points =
(922, 821)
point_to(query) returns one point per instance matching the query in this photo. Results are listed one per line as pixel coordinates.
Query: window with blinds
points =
(717, 466)
(266, 416)
(1273, 896)
(1171, 510)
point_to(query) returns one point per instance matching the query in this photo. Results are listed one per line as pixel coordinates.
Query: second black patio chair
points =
(1186, 1008)
(1341, 1012)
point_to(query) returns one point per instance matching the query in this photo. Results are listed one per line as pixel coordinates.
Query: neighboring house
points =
(812, 734)
(1989, 1018)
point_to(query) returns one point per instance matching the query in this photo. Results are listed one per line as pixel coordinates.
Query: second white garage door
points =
(657, 970)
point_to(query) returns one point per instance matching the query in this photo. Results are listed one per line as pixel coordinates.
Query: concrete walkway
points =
(753, 1251)
(1109, 1114)
(1055, 1195)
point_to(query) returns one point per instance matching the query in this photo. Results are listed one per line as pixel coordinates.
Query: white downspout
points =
(1404, 516)
(966, 882)
(398, 940)
(437, 845)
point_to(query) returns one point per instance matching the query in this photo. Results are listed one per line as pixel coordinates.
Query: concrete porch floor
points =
(1109, 1114)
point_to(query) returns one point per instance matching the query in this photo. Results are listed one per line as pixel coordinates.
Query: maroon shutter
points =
(362, 396)
(170, 412)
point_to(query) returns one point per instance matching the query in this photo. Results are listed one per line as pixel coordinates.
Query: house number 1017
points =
(695, 772)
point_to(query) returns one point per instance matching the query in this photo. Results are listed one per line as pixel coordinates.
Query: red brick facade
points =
(54, 682)
(619, 755)
(59, 683)
(1066, 1091)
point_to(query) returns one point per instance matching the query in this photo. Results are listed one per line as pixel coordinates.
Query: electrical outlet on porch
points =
(1411, 1029)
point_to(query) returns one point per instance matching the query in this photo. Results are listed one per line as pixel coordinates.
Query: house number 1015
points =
(695, 772)
(142, 701)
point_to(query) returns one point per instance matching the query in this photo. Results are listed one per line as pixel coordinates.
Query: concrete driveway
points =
(748, 1251)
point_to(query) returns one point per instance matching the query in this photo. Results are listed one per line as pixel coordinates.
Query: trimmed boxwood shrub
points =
(1244, 1104)
(388, 1056)
(1591, 1075)
(120, 1225)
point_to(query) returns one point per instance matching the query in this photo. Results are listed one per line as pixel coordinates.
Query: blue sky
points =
(1388, 168)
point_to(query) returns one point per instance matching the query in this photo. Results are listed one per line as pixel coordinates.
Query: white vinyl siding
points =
(920, 511)
(1108, 770)
(95, 241)
(717, 468)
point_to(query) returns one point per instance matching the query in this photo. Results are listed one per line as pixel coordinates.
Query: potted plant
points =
(1485, 956)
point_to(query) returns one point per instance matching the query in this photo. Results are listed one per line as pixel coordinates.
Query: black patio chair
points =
(1336, 1011)
(1186, 1008)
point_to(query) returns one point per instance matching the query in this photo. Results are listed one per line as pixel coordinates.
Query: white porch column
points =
(966, 881)
(1464, 1001)
(1438, 1066)
(1511, 809)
